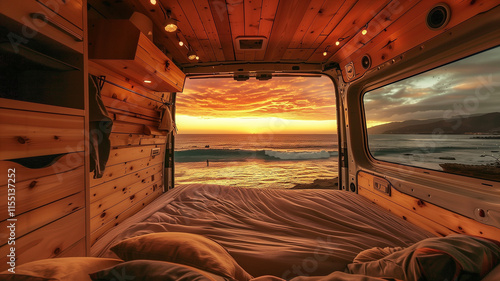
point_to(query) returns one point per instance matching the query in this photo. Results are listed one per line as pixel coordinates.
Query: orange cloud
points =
(290, 98)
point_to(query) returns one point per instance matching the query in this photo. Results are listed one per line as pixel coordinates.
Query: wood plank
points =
(424, 214)
(313, 11)
(28, 134)
(125, 106)
(124, 95)
(120, 184)
(38, 107)
(119, 140)
(127, 128)
(390, 14)
(206, 17)
(44, 215)
(122, 155)
(36, 192)
(75, 250)
(198, 28)
(221, 19)
(134, 120)
(123, 169)
(284, 28)
(112, 213)
(48, 241)
(62, 164)
(408, 31)
(96, 234)
(137, 58)
(100, 206)
(113, 111)
(269, 8)
(236, 14)
(362, 13)
(253, 9)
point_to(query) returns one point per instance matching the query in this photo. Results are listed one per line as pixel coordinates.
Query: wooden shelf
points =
(121, 47)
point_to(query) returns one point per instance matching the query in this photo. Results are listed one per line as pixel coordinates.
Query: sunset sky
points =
(466, 87)
(282, 105)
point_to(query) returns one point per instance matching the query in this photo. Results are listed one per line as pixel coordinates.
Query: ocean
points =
(257, 161)
(282, 161)
(428, 151)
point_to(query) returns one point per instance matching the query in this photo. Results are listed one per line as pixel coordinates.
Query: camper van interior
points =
(89, 121)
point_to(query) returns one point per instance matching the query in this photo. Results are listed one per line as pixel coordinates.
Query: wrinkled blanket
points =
(284, 233)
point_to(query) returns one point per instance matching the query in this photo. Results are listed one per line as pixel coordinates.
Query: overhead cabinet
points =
(120, 46)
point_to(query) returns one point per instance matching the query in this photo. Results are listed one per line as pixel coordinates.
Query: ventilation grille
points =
(251, 43)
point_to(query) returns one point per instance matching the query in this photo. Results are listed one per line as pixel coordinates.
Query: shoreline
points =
(319, 184)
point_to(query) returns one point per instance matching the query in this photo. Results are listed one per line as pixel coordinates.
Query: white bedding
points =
(282, 232)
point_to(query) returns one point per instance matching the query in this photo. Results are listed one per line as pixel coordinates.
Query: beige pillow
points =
(154, 271)
(184, 248)
(59, 269)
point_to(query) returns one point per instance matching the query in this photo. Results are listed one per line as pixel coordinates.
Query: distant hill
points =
(478, 124)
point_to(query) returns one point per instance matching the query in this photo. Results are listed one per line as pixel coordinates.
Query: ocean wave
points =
(285, 155)
(201, 155)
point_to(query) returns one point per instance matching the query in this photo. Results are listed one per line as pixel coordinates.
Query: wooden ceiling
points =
(298, 30)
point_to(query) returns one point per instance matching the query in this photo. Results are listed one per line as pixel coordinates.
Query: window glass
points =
(445, 119)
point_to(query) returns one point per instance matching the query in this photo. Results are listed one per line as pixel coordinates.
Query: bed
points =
(212, 232)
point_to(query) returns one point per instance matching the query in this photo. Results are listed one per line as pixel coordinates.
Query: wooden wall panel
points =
(423, 214)
(34, 192)
(130, 153)
(123, 185)
(28, 134)
(132, 177)
(44, 215)
(49, 241)
(106, 209)
(124, 215)
(121, 140)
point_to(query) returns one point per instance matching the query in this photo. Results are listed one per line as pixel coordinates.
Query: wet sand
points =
(319, 184)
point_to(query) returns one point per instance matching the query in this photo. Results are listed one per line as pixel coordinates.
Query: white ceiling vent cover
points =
(251, 43)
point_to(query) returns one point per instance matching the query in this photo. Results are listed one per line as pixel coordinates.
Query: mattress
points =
(278, 232)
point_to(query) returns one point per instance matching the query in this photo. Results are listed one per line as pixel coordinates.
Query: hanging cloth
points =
(166, 120)
(100, 128)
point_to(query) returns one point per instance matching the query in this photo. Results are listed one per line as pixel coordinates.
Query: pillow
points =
(455, 257)
(375, 253)
(148, 270)
(184, 248)
(58, 269)
(493, 275)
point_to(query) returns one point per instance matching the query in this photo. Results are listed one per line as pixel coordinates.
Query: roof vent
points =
(254, 43)
(438, 16)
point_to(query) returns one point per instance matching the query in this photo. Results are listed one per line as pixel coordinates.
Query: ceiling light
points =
(191, 55)
(365, 29)
(147, 81)
(325, 53)
(337, 43)
(170, 25)
(153, 2)
(181, 43)
(197, 58)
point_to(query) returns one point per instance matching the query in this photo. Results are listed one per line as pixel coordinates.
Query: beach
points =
(257, 161)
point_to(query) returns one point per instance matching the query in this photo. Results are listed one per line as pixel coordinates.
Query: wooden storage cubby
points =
(43, 92)
(119, 46)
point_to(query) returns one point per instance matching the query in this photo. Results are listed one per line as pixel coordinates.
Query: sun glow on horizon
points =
(291, 105)
(253, 125)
